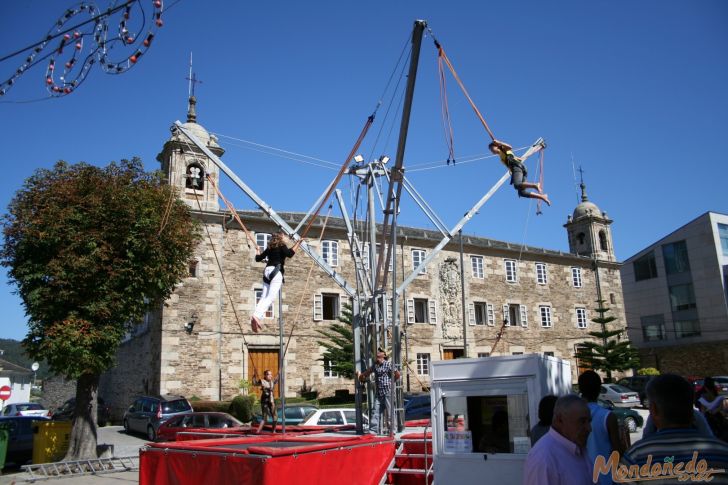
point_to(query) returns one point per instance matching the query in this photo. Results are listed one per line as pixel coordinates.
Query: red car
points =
(194, 422)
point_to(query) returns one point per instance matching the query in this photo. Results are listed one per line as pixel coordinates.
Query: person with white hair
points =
(560, 456)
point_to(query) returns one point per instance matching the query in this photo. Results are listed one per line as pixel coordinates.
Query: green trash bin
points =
(4, 434)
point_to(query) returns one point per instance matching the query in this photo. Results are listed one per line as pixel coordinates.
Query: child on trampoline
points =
(518, 171)
(276, 252)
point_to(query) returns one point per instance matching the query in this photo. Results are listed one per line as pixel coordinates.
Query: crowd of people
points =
(576, 441)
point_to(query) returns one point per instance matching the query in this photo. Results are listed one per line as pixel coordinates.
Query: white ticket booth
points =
(483, 411)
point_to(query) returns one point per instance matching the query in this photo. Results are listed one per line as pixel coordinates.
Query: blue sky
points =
(632, 91)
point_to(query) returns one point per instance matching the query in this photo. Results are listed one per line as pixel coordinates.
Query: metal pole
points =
(462, 295)
(396, 342)
(373, 343)
(406, 332)
(281, 362)
(397, 170)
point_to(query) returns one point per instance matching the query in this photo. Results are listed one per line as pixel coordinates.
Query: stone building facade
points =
(199, 342)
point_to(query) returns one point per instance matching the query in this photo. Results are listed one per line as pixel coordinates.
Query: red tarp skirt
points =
(268, 460)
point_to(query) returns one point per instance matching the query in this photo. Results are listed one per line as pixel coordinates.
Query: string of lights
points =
(90, 42)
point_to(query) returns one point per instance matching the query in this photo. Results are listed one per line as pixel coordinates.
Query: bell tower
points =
(589, 230)
(187, 168)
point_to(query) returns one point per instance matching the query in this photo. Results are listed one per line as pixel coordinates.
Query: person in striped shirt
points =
(677, 451)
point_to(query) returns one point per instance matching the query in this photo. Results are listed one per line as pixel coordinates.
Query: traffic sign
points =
(5, 393)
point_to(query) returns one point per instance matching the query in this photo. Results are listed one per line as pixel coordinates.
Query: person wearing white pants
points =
(275, 255)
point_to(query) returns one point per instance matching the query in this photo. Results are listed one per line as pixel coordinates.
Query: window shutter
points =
(433, 311)
(491, 314)
(365, 256)
(388, 305)
(471, 313)
(410, 310)
(524, 316)
(318, 307)
(506, 317)
(338, 307)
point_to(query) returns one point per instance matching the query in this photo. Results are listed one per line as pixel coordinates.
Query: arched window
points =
(603, 240)
(580, 238)
(195, 176)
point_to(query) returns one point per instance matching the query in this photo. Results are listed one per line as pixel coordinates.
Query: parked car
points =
(20, 437)
(65, 412)
(333, 417)
(295, 414)
(618, 395)
(168, 430)
(722, 383)
(629, 417)
(149, 412)
(638, 385)
(26, 409)
(697, 383)
(417, 406)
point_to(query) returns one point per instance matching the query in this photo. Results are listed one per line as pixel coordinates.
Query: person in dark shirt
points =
(275, 256)
(518, 171)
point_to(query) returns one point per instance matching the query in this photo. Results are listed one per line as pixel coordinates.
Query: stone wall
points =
(210, 361)
(56, 391)
(701, 360)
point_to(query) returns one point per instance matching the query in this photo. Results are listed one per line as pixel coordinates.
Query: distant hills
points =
(13, 352)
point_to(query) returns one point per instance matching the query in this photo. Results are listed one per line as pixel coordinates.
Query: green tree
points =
(339, 344)
(609, 353)
(90, 250)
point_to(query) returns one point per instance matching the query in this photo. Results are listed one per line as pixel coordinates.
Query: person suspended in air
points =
(518, 171)
(276, 254)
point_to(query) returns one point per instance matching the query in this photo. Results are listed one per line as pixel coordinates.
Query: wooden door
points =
(581, 366)
(450, 354)
(260, 360)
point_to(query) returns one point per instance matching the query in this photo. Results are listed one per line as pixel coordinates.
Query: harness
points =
(512, 162)
(276, 270)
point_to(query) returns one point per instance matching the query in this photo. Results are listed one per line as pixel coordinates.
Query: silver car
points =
(619, 396)
(148, 412)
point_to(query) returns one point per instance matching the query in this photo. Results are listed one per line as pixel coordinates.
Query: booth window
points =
(493, 424)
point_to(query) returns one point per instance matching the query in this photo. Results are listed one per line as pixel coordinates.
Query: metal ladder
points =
(97, 466)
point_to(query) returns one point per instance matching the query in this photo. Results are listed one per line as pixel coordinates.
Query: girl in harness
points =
(518, 171)
(276, 252)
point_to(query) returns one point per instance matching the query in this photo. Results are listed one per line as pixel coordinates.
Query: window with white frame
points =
(262, 239)
(329, 370)
(330, 252)
(418, 255)
(423, 364)
(581, 317)
(476, 263)
(326, 306)
(258, 296)
(479, 313)
(550, 354)
(541, 277)
(510, 266)
(515, 314)
(421, 310)
(545, 312)
(576, 277)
